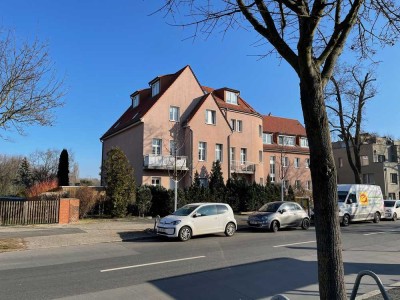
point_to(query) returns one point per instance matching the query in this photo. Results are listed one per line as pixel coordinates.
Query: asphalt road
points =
(249, 265)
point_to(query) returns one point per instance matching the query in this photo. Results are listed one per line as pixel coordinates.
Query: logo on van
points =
(363, 198)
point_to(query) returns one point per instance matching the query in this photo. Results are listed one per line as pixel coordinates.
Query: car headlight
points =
(176, 222)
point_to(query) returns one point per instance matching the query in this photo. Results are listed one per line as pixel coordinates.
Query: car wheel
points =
(230, 229)
(377, 217)
(274, 226)
(346, 220)
(185, 233)
(305, 224)
(394, 217)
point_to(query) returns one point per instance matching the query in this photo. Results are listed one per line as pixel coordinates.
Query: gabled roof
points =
(134, 115)
(242, 105)
(285, 126)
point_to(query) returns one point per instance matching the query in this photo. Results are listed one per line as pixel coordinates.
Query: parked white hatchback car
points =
(196, 219)
(392, 209)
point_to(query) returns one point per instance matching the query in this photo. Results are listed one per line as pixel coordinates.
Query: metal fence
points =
(23, 212)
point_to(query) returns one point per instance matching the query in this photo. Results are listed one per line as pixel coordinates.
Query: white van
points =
(360, 202)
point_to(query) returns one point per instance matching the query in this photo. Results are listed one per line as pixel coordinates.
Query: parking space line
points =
(151, 264)
(278, 246)
(372, 233)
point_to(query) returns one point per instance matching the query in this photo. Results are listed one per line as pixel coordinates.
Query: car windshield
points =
(342, 196)
(185, 211)
(270, 207)
(389, 203)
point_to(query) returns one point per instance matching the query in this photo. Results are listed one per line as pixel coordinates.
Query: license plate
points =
(254, 222)
(161, 230)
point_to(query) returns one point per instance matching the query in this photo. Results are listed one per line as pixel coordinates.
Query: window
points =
(379, 158)
(393, 178)
(243, 155)
(155, 88)
(174, 113)
(267, 138)
(340, 162)
(156, 146)
(369, 178)
(156, 181)
(303, 142)
(135, 101)
(260, 156)
(218, 152)
(285, 184)
(364, 160)
(260, 133)
(208, 210)
(232, 153)
(297, 184)
(308, 185)
(203, 181)
(392, 196)
(231, 97)
(202, 151)
(297, 162)
(272, 165)
(233, 124)
(172, 148)
(307, 162)
(286, 140)
(239, 125)
(285, 161)
(211, 117)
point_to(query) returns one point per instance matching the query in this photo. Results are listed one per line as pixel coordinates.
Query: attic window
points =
(135, 101)
(155, 88)
(231, 97)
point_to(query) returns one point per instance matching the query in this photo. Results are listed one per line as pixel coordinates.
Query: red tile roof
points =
(133, 115)
(286, 126)
(218, 94)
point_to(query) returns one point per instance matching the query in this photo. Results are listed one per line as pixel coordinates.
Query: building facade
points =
(380, 164)
(177, 127)
(286, 153)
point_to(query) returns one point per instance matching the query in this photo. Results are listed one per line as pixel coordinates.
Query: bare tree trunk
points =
(323, 172)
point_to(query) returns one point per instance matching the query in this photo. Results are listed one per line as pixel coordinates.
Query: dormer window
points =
(155, 88)
(231, 97)
(303, 142)
(135, 100)
(285, 140)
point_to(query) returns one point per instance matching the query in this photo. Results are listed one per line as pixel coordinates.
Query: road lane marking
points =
(151, 264)
(277, 246)
(372, 233)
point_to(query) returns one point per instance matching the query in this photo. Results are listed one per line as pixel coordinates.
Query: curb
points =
(377, 292)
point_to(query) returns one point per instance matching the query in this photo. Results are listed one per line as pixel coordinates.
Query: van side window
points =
(352, 199)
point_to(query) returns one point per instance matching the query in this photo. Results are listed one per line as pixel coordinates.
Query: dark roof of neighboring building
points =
(285, 126)
(133, 115)
(242, 105)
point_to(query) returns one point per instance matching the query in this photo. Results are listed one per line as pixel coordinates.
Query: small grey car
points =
(279, 214)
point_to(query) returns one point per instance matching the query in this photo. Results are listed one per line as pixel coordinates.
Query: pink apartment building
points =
(176, 127)
(286, 152)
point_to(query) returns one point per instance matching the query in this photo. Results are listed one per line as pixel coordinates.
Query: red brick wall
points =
(69, 210)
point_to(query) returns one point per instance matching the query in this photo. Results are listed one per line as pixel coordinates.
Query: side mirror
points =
(282, 211)
(196, 215)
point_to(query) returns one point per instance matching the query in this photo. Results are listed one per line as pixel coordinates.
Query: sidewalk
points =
(81, 233)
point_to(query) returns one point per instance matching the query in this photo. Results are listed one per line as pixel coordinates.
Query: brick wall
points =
(69, 210)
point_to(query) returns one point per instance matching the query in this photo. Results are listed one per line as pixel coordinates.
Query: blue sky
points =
(108, 49)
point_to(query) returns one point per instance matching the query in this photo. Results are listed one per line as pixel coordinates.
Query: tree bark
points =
(323, 173)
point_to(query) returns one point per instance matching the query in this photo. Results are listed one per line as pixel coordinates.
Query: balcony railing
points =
(168, 162)
(242, 167)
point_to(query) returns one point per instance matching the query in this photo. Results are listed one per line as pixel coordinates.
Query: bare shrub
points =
(89, 198)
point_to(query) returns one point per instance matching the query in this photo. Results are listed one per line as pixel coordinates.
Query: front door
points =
(206, 220)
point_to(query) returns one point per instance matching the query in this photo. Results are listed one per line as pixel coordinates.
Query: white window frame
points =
(239, 125)
(232, 151)
(297, 184)
(156, 181)
(211, 117)
(286, 140)
(156, 146)
(172, 148)
(364, 160)
(135, 101)
(155, 88)
(243, 155)
(272, 165)
(285, 161)
(304, 142)
(307, 163)
(308, 185)
(297, 162)
(174, 113)
(202, 151)
(231, 97)
(267, 138)
(218, 152)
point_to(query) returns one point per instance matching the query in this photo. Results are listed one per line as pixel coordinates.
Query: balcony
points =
(168, 162)
(245, 167)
